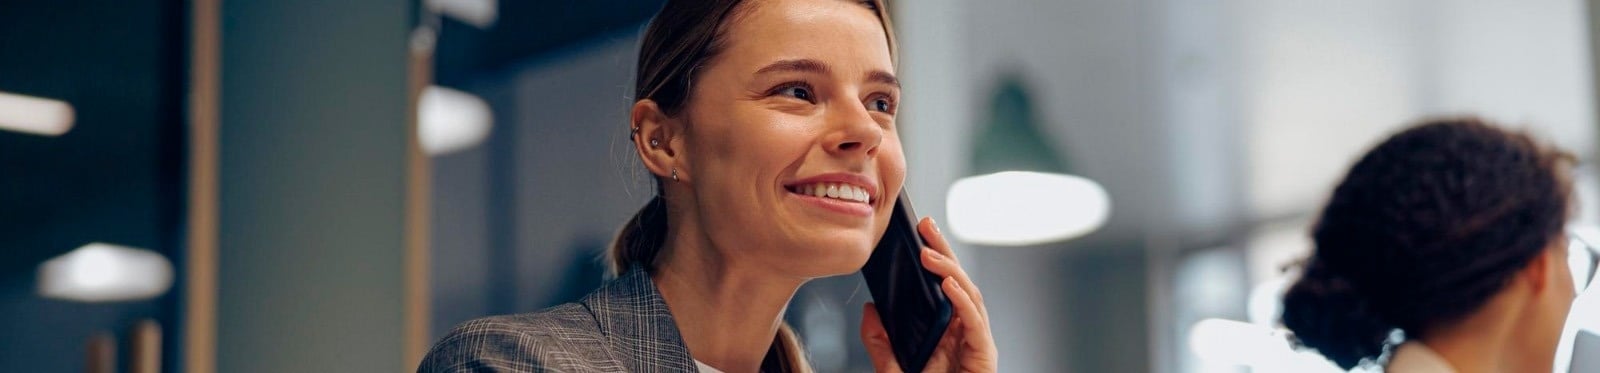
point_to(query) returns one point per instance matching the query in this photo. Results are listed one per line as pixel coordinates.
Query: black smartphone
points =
(912, 306)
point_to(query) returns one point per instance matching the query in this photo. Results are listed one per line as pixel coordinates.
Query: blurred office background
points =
(331, 186)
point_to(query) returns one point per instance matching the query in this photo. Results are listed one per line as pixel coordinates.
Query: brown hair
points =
(684, 35)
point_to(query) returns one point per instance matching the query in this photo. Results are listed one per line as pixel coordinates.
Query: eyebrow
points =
(817, 67)
(801, 65)
(880, 76)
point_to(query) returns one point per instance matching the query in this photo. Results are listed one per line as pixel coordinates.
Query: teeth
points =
(835, 190)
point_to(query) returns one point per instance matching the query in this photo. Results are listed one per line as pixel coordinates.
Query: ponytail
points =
(1329, 314)
(641, 238)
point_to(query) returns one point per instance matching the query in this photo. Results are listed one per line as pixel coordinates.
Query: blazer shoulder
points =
(564, 338)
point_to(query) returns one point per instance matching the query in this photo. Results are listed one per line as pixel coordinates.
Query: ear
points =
(1541, 272)
(656, 139)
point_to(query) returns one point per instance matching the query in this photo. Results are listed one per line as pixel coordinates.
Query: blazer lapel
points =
(637, 324)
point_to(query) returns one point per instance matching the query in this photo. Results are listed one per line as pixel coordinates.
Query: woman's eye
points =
(883, 105)
(796, 91)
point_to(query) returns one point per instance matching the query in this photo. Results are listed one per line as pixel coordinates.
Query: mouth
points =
(833, 190)
(844, 193)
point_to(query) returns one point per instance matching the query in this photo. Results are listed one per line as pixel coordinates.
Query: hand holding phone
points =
(927, 314)
(910, 304)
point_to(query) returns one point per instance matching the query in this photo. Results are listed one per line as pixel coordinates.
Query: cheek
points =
(748, 145)
(892, 166)
(755, 133)
(1565, 296)
(741, 160)
(892, 172)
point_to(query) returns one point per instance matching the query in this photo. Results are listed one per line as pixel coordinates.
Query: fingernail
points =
(932, 253)
(935, 224)
(953, 282)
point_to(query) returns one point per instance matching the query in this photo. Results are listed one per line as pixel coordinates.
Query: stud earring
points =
(674, 174)
(655, 143)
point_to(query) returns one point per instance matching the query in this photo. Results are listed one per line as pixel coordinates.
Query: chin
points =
(831, 258)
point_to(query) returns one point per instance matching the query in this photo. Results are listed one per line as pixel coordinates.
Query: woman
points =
(1450, 232)
(770, 129)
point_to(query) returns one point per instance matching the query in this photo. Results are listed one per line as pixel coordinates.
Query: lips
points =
(834, 190)
(845, 193)
(837, 186)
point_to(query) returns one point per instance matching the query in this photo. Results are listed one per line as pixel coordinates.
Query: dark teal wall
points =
(312, 172)
(116, 177)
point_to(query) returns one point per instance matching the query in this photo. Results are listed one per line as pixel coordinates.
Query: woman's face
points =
(800, 100)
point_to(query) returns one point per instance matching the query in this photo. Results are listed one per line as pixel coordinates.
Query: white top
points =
(705, 368)
(1413, 357)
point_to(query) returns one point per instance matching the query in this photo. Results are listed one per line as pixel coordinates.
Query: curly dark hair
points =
(1424, 229)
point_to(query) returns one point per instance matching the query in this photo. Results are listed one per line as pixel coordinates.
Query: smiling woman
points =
(769, 128)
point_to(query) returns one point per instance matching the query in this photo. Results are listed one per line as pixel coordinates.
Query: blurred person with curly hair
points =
(1451, 232)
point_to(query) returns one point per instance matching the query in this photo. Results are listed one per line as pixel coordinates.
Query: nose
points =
(853, 132)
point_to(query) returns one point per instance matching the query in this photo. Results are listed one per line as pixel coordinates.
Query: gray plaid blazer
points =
(623, 326)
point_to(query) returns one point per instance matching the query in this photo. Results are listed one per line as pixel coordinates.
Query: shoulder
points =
(561, 338)
(1414, 357)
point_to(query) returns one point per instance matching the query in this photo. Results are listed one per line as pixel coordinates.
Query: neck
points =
(1468, 351)
(728, 311)
(1486, 341)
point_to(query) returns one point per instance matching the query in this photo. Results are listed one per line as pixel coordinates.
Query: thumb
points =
(877, 341)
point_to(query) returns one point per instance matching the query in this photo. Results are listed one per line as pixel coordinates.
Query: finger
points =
(949, 267)
(877, 341)
(936, 241)
(974, 326)
(933, 237)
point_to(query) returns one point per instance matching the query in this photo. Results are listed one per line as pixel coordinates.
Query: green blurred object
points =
(1010, 139)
